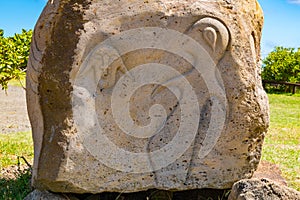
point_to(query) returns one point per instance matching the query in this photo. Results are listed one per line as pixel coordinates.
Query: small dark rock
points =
(265, 189)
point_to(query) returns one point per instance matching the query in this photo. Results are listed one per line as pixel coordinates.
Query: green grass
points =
(13, 145)
(282, 144)
(16, 188)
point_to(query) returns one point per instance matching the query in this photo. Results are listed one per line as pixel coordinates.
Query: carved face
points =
(150, 87)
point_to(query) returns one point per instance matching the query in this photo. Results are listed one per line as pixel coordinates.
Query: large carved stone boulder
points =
(126, 96)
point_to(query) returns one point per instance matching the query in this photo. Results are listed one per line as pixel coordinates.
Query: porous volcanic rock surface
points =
(93, 134)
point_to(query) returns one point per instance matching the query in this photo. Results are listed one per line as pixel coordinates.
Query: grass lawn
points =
(282, 147)
(282, 144)
(15, 180)
(14, 145)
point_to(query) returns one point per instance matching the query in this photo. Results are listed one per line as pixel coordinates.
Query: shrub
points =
(14, 52)
(282, 64)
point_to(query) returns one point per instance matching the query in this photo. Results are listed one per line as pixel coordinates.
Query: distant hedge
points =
(282, 64)
(14, 52)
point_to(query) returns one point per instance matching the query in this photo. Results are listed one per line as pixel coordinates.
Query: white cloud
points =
(294, 1)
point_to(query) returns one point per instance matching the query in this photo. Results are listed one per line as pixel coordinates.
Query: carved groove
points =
(210, 36)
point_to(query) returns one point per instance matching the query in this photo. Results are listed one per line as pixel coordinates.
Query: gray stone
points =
(251, 189)
(126, 96)
(45, 195)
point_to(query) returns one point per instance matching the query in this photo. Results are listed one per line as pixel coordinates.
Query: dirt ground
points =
(13, 114)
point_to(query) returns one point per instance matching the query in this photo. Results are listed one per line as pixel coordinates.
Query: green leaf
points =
(14, 52)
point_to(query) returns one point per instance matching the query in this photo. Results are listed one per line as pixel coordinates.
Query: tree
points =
(14, 52)
(282, 64)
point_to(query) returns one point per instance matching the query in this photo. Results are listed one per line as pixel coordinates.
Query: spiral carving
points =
(105, 88)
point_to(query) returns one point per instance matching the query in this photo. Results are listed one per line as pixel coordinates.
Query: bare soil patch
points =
(13, 115)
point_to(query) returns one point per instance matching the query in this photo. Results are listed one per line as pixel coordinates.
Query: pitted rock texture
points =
(126, 96)
(149, 195)
(250, 189)
(45, 195)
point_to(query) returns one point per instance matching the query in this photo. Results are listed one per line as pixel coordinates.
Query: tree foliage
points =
(282, 64)
(14, 52)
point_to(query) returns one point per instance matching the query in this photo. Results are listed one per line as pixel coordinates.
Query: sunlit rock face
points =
(125, 96)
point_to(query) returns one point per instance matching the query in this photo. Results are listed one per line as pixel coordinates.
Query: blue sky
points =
(282, 24)
(18, 14)
(282, 20)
